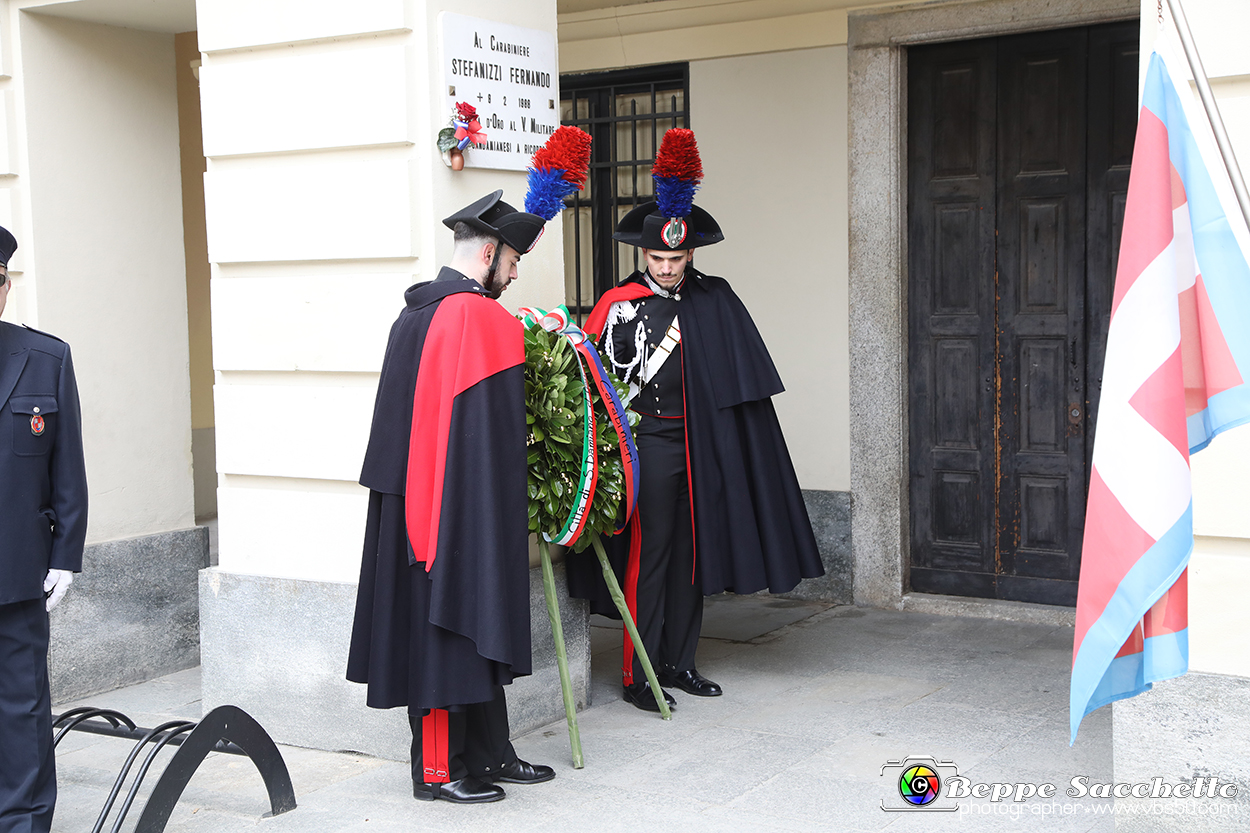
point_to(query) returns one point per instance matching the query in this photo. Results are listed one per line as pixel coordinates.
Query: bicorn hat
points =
(491, 215)
(672, 222)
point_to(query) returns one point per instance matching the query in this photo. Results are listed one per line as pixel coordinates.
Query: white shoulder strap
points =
(661, 353)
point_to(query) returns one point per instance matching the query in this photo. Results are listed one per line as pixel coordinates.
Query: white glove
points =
(55, 585)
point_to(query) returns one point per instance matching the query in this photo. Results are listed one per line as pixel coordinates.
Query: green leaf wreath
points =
(555, 402)
(554, 398)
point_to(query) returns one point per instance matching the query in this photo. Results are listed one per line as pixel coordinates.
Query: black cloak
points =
(442, 610)
(751, 529)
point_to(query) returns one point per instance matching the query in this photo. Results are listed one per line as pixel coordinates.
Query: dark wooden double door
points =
(1018, 152)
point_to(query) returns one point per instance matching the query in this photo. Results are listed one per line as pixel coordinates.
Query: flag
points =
(1178, 355)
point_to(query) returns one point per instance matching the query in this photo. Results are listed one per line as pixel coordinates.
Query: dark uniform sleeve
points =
(68, 475)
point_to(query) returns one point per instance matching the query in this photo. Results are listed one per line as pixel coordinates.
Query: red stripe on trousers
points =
(631, 593)
(434, 747)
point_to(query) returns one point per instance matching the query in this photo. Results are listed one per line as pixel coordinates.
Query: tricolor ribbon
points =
(558, 321)
(470, 131)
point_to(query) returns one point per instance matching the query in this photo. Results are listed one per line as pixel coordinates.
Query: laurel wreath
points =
(555, 397)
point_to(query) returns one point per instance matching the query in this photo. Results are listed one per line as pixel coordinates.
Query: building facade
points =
(865, 161)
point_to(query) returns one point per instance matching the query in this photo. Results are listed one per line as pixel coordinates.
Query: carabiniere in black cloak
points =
(442, 612)
(696, 361)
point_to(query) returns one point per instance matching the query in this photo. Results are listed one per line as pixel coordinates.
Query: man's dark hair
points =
(464, 234)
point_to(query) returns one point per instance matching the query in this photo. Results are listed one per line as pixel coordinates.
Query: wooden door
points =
(1018, 164)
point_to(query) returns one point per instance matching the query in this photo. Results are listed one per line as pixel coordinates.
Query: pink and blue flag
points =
(1178, 358)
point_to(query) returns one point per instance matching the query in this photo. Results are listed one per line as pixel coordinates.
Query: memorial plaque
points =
(509, 74)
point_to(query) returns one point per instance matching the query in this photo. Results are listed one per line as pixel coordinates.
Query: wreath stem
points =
(618, 597)
(562, 657)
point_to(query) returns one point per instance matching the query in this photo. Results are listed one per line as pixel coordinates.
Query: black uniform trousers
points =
(477, 740)
(669, 599)
(27, 763)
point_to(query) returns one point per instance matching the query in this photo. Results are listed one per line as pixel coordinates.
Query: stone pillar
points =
(324, 195)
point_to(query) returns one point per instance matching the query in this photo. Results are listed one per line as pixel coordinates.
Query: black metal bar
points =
(75, 719)
(176, 734)
(57, 719)
(222, 723)
(614, 154)
(131, 733)
(615, 120)
(633, 158)
(125, 770)
(632, 76)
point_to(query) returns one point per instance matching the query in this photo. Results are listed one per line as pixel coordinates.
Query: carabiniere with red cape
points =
(442, 614)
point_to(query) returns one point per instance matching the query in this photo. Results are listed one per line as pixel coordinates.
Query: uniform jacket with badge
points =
(43, 480)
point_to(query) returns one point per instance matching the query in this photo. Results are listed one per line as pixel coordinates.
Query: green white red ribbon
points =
(558, 321)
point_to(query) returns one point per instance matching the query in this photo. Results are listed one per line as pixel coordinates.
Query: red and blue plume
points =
(558, 169)
(677, 172)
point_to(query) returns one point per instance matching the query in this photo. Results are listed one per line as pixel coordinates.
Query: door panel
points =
(952, 141)
(1041, 283)
(1018, 167)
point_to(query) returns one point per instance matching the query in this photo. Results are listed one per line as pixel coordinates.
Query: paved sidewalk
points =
(817, 700)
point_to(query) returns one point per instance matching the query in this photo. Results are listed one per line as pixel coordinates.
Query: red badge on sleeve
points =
(36, 425)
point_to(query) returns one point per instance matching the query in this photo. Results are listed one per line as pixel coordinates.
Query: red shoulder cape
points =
(468, 341)
(624, 292)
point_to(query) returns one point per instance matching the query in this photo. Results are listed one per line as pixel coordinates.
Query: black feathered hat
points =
(491, 215)
(647, 227)
(672, 222)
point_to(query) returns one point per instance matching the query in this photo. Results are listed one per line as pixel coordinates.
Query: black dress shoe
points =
(520, 772)
(468, 790)
(691, 682)
(640, 695)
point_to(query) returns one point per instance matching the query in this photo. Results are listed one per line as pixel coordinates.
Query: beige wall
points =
(689, 30)
(103, 254)
(783, 211)
(324, 196)
(195, 242)
(199, 299)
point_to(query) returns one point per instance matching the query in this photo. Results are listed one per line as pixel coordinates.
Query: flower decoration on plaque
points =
(465, 130)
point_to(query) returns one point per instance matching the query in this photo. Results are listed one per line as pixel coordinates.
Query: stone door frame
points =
(877, 71)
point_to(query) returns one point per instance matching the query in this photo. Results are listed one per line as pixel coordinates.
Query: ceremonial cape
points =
(751, 529)
(442, 611)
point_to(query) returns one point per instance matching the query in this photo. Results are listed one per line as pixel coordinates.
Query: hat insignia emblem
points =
(36, 425)
(674, 232)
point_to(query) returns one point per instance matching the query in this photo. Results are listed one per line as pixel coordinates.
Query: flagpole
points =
(1213, 111)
